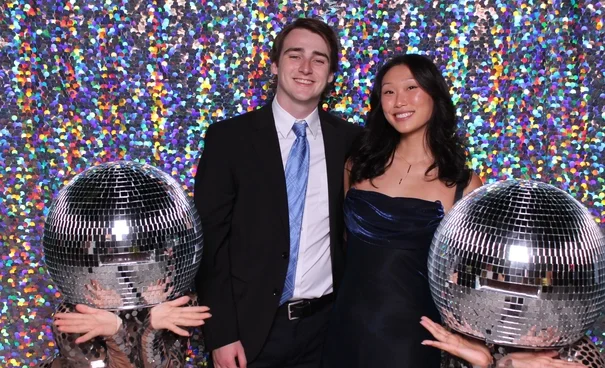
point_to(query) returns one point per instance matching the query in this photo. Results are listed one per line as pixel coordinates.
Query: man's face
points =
(303, 70)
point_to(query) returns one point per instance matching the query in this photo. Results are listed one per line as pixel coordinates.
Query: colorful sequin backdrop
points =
(89, 82)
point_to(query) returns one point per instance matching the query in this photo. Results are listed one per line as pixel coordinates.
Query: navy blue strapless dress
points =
(385, 290)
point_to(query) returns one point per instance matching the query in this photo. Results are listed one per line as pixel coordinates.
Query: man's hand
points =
(171, 315)
(89, 321)
(225, 356)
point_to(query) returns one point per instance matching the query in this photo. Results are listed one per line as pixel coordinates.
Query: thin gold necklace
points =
(409, 167)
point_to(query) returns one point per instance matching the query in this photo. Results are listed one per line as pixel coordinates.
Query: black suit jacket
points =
(240, 194)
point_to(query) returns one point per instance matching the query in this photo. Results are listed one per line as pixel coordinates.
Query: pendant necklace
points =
(409, 167)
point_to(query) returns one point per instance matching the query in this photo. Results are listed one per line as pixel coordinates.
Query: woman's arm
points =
(166, 331)
(477, 353)
(70, 328)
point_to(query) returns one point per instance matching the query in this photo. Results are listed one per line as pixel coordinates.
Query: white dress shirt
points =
(314, 266)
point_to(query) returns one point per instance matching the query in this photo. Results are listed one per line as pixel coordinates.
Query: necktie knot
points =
(300, 128)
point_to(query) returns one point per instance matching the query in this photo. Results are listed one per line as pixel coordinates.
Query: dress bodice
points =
(395, 222)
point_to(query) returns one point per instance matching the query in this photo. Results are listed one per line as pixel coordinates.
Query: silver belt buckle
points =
(290, 310)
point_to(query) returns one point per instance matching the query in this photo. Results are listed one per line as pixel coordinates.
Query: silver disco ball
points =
(519, 263)
(122, 235)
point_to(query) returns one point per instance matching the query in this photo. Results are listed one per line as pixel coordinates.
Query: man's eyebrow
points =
(300, 49)
(321, 54)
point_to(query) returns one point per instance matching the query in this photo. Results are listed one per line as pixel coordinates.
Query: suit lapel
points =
(266, 144)
(335, 156)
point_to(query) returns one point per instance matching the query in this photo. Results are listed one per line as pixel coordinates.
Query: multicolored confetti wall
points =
(85, 82)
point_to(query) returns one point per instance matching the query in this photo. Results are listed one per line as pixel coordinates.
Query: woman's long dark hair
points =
(374, 151)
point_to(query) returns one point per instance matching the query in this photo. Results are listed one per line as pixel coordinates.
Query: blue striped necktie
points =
(297, 174)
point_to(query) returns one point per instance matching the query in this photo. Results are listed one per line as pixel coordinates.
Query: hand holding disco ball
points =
(582, 354)
(123, 242)
(471, 350)
(518, 264)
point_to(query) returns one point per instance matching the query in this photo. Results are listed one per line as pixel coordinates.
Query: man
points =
(269, 190)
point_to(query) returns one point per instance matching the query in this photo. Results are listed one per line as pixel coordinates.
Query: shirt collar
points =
(284, 121)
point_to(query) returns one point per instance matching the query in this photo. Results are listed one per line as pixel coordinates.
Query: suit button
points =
(284, 255)
(275, 292)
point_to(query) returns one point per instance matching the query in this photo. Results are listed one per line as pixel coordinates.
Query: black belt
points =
(303, 308)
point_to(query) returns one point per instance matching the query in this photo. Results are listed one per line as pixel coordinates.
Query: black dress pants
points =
(293, 343)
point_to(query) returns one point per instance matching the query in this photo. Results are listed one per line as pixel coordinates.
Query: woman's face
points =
(406, 106)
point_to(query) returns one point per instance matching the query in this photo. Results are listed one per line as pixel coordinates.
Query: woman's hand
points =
(100, 297)
(171, 315)
(156, 293)
(473, 351)
(89, 321)
(477, 354)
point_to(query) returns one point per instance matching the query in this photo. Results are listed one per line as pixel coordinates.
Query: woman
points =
(408, 170)
(145, 337)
